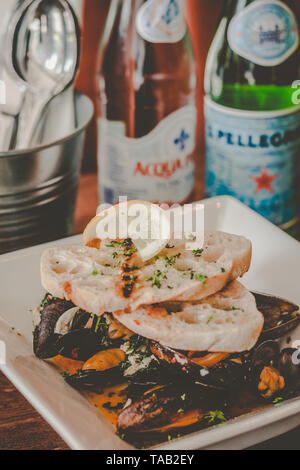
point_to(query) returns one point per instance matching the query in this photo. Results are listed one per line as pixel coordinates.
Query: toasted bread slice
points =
(224, 322)
(100, 280)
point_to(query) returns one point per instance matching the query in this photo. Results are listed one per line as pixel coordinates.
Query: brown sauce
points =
(108, 401)
(111, 400)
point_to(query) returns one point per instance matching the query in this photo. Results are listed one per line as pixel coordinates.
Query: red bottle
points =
(147, 127)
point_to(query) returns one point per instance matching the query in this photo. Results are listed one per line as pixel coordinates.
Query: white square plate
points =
(275, 269)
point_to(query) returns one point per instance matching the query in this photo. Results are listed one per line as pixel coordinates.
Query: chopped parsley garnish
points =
(65, 374)
(183, 397)
(277, 400)
(130, 252)
(223, 270)
(169, 260)
(156, 279)
(197, 253)
(200, 277)
(95, 272)
(209, 319)
(216, 416)
(115, 255)
(135, 342)
(124, 245)
(111, 244)
(48, 298)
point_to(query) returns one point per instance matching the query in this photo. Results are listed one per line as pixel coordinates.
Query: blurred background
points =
(202, 16)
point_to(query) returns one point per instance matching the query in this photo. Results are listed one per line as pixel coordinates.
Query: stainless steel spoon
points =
(46, 56)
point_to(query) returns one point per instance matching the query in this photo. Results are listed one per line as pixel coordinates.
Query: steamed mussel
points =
(165, 408)
(102, 368)
(280, 316)
(66, 330)
(159, 376)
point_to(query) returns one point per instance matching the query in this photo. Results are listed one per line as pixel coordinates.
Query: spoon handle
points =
(29, 117)
(7, 124)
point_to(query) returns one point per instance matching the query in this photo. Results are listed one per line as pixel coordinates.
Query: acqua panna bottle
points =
(252, 111)
(147, 126)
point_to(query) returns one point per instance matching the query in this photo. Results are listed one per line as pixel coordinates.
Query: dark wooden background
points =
(21, 427)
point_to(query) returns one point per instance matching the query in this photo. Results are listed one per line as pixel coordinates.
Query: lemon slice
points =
(147, 225)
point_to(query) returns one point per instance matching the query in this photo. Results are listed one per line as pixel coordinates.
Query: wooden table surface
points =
(21, 427)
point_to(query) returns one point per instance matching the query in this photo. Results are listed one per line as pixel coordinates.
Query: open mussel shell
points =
(265, 354)
(94, 379)
(71, 332)
(281, 316)
(79, 344)
(166, 408)
(44, 337)
(100, 370)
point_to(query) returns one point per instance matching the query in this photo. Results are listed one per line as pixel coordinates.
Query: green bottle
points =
(252, 109)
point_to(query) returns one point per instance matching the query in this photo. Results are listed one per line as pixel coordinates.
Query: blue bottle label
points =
(265, 32)
(161, 21)
(254, 156)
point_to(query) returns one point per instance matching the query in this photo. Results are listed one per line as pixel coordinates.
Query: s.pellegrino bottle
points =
(252, 109)
(147, 124)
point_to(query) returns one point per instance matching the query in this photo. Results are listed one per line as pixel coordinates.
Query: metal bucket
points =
(38, 187)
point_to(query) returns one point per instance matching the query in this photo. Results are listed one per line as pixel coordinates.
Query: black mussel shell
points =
(80, 320)
(149, 376)
(281, 317)
(79, 344)
(228, 373)
(94, 379)
(223, 376)
(265, 354)
(289, 367)
(44, 338)
(160, 407)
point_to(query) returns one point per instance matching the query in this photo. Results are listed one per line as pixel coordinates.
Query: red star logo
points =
(264, 181)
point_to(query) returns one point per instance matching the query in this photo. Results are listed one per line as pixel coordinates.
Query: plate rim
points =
(239, 426)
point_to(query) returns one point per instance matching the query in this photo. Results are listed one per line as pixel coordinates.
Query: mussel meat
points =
(264, 369)
(99, 371)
